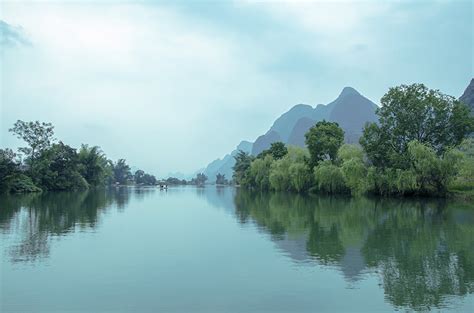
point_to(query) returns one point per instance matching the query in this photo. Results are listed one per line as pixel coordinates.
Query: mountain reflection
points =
(423, 250)
(36, 218)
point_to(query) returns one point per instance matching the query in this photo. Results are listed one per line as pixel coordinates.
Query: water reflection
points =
(423, 250)
(34, 219)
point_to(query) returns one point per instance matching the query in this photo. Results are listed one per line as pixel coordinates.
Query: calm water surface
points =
(225, 250)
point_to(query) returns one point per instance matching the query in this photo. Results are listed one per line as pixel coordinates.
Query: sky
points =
(171, 86)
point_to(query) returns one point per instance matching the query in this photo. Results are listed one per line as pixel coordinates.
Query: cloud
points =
(159, 83)
(12, 36)
(170, 86)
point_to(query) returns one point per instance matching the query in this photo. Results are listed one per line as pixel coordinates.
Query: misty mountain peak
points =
(348, 91)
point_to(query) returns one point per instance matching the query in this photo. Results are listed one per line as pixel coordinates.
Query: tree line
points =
(48, 164)
(419, 146)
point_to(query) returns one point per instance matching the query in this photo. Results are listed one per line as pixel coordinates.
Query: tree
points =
(200, 179)
(433, 171)
(149, 180)
(354, 170)
(329, 178)
(414, 112)
(221, 180)
(300, 176)
(260, 172)
(9, 167)
(277, 150)
(323, 141)
(93, 165)
(122, 172)
(57, 169)
(139, 177)
(242, 167)
(38, 136)
(280, 174)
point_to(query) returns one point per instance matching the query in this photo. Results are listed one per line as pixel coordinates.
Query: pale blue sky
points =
(171, 86)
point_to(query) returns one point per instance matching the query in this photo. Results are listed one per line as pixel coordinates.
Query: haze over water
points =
(226, 250)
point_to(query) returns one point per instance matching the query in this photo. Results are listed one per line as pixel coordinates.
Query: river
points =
(227, 250)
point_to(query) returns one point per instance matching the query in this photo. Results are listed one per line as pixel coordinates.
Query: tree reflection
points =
(423, 249)
(35, 218)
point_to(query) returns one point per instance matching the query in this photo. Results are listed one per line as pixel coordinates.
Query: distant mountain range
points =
(350, 110)
(468, 96)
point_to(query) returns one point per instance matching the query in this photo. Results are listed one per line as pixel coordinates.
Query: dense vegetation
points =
(45, 164)
(418, 147)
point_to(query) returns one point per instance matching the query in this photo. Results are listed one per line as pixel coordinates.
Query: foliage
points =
(433, 173)
(122, 173)
(57, 166)
(175, 181)
(277, 150)
(259, 175)
(348, 152)
(38, 136)
(242, 168)
(354, 170)
(57, 169)
(142, 178)
(94, 166)
(9, 167)
(291, 172)
(300, 176)
(199, 180)
(221, 180)
(329, 178)
(22, 184)
(323, 141)
(414, 112)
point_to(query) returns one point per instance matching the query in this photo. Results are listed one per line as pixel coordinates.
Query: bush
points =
(22, 184)
(329, 178)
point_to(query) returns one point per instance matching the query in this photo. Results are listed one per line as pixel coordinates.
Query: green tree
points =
(291, 172)
(200, 179)
(260, 172)
(433, 173)
(277, 150)
(149, 180)
(9, 168)
(242, 168)
(122, 172)
(353, 168)
(323, 141)
(300, 176)
(221, 180)
(57, 169)
(414, 112)
(139, 177)
(93, 165)
(38, 136)
(329, 178)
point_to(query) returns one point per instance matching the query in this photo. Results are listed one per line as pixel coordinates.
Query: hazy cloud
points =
(173, 85)
(12, 36)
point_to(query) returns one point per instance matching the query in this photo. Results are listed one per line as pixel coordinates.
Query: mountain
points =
(263, 142)
(350, 110)
(224, 165)
(302, 126)
(468, 96)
